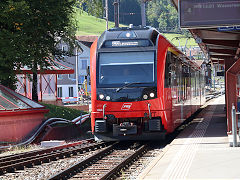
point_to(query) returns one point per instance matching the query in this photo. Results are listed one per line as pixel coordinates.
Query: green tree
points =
(30, 31)
(161, 14)
(48, 23)
(12, 45)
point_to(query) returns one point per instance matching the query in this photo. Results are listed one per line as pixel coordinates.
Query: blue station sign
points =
(229, 28)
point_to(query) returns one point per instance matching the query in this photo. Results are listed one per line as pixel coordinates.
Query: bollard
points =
(234, 127)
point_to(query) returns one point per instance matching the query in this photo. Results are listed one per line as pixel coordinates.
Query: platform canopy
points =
(54, 67)
(10, 100)
(47, 80)
(215, 25)
(219, 42)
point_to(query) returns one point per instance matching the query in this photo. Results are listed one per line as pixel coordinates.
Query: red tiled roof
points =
(87, 40)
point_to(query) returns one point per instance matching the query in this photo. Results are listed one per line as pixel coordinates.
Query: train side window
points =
(181, 81)
(198, 83)
(186, 81)
(173, 75)
(168, 71)
(192, 82)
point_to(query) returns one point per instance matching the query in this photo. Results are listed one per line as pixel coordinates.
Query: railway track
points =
(12, 163)
(105, 164)
(95, 160)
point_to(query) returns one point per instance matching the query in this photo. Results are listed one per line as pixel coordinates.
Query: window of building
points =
(81, 79)
(70, 90)
(59, 76)
(64, 48)
(59, 91)
(71, 76)
(84, 64)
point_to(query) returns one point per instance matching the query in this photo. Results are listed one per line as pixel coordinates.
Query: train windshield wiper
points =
(128, 84)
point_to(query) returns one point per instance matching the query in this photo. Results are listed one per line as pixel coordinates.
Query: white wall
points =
(65, 92)
(85, 55)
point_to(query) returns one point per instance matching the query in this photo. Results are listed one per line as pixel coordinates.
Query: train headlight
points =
(145, 96)
(151, 95)
(108, 98)
(128, 34)
(101, 96)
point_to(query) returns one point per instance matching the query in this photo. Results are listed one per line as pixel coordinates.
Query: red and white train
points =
(142, 86)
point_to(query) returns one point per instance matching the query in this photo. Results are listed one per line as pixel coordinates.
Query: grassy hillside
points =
(90, 25)
(179, 38)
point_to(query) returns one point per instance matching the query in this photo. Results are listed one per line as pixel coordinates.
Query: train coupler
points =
(125, 128)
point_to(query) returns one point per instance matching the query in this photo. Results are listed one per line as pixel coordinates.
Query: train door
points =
(192, 90)
(198, 82)
(202, 86)
(169, 92)
(176, 105)
(186, 91)
(172, 82)
(194, 85)
(189, 91)
(180, 91)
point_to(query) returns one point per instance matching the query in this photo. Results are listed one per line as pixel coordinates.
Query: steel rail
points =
(107, 173)
(128, 160)
(42, 151)
(83, 164)
(11, 166)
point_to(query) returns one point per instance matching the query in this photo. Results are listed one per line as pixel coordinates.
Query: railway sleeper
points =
(9, 170)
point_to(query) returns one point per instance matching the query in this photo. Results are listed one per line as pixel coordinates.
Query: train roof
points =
(139, 32)
(136, 32)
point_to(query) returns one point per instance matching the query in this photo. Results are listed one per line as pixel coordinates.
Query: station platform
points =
(201, 151)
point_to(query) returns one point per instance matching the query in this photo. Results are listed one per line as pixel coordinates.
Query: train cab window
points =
(126, 67)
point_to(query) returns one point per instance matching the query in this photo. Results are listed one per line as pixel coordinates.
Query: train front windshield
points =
(126, 67)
